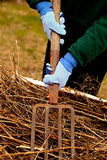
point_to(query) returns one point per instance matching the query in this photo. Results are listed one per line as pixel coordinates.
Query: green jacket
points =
(93, 15)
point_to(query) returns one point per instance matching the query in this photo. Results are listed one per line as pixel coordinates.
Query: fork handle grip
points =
(55, 53)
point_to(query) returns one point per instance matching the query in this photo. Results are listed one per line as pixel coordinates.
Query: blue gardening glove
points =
(62, 72)
(48, 20)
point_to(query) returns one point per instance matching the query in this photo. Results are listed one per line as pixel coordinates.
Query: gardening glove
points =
(48, 20)
(62, 72)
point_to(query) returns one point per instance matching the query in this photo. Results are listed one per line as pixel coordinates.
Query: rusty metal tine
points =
(47, 108)
(33, 132)
(60, 130)
(46, 131)
(72, 133)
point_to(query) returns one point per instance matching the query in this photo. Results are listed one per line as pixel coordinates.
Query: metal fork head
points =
(47, 112)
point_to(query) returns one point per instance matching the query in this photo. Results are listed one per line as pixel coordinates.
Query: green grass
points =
(103, 89)
(21, 23)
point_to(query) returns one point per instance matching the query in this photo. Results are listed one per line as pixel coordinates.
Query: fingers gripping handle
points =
(54, 53)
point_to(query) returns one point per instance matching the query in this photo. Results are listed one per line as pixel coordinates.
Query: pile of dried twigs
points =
(16, 100)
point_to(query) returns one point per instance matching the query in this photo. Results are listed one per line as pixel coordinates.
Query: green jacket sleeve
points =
(92, 43)
(32, 3)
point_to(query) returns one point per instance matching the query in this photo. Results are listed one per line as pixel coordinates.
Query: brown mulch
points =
(17, 97)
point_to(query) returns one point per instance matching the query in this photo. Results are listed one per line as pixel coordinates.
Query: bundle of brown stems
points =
(17, 97)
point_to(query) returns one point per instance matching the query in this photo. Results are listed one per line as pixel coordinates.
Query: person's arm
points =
(47, 15)
(84, 50)
(92, 43)
(32, 3)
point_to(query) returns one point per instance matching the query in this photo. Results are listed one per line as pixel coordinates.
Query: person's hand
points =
(60, 76)
(49, 24)
(49, 21)
(62, 72)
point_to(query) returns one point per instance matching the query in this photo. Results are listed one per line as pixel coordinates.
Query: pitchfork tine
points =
(46, 131)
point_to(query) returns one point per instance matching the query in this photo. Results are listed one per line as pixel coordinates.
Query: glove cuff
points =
(43, 7)
(69, 62)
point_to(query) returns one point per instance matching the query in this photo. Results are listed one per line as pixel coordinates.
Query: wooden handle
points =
(55, 53)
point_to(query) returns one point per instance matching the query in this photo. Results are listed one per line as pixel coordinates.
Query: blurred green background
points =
(22, 37)
(21, 34)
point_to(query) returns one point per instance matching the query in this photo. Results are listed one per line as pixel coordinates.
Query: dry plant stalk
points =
(16, 100)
